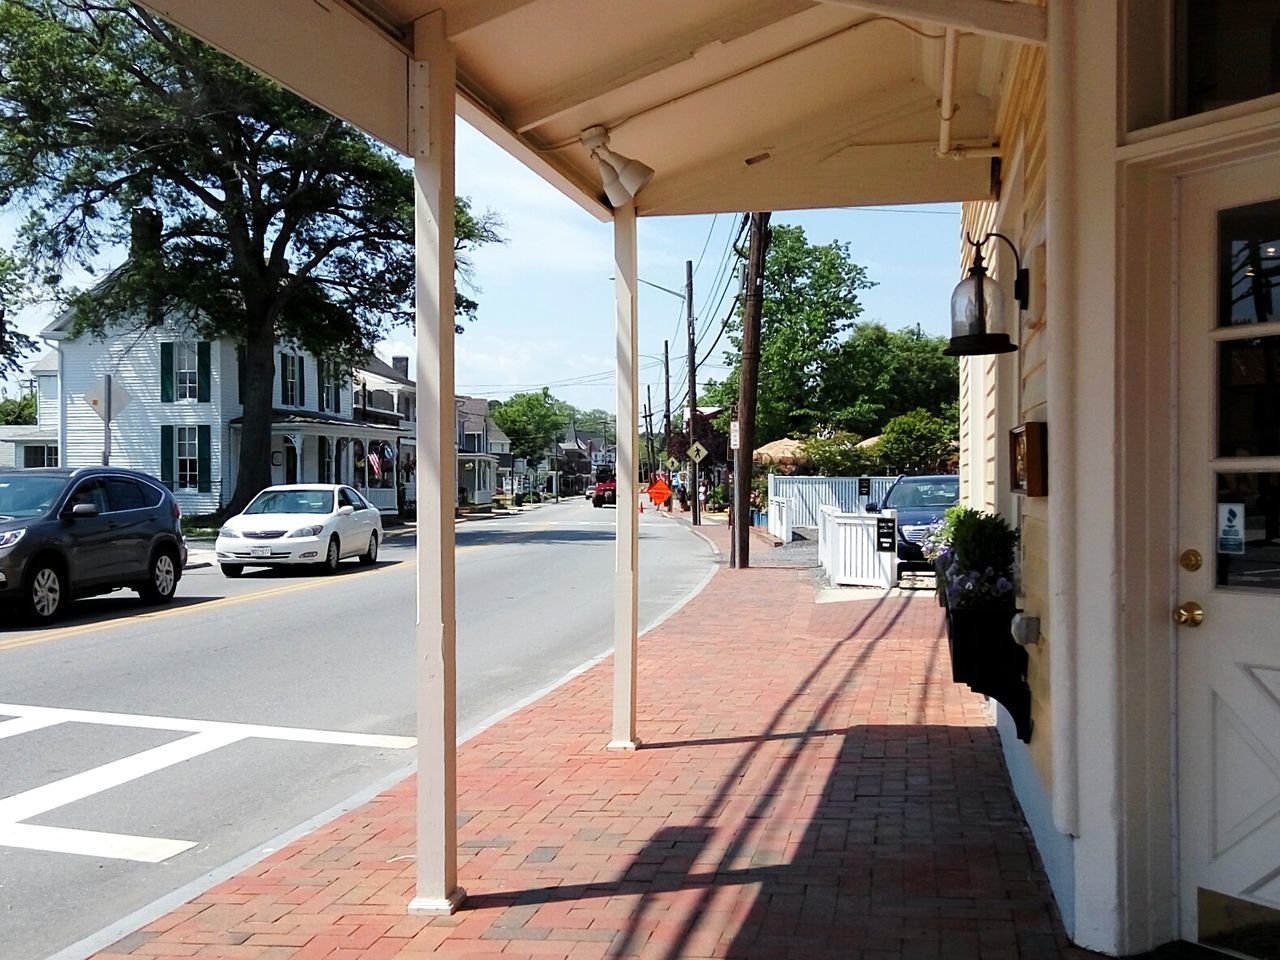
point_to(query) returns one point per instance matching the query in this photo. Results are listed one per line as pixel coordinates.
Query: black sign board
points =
(864, 486)
(886, 534)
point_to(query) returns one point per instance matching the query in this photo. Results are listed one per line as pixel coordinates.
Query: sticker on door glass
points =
(1231, 528)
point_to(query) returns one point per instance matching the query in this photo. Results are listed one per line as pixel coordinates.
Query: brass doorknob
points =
(1190, 614)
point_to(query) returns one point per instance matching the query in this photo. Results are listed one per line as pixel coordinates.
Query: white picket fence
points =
(780, 519)
(847, 548)
(807, 495)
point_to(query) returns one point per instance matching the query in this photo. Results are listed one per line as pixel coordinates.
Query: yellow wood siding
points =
(1022, 139)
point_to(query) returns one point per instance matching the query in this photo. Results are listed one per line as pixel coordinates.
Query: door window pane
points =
(1249, 397)
(1227, 51)
(1247, 530)
(1249, 265)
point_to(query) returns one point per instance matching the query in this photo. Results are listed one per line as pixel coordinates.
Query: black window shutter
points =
(322, 386)
(166, 373)
(204, 458)
(166, 456)
(204, 372)
(337, 392)
(284, 381)
(324, 459)
(240, 362)
(302, 380)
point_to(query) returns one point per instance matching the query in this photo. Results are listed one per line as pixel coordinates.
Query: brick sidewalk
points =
(811, 785)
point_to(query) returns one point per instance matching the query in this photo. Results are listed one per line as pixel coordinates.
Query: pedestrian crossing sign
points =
(672, 463)
(697, 452)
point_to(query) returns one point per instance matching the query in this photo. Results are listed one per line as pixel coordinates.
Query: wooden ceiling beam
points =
(750, 16)
(1005, 19)
(478, 13)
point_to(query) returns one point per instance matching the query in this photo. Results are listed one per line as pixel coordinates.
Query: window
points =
(326, 458)
(188, 458)
(289, 379)
(187, 366)
(186, 371)
(1227, 51)
(39, 456)
(91, 491)
(124, 494)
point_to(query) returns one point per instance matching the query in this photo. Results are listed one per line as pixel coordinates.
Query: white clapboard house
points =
(177, 415)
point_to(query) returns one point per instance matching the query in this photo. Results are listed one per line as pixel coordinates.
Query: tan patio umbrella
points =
(785, 452)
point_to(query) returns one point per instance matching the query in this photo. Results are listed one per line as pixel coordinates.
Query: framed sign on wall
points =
(1028, 460)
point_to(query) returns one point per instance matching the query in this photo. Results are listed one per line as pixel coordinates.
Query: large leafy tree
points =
(876, 374)
(18, 411)
(810, 301)
(13, 344)
(533, 421)
(272, 219)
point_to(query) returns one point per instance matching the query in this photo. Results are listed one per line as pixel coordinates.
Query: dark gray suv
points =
(76, 532)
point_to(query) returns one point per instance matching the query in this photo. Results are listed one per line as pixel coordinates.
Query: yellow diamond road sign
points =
(697, 452)
(672, 463)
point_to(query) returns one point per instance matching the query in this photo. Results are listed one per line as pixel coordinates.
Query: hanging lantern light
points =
(977, 306)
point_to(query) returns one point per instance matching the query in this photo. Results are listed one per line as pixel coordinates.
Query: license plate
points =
(260, 551)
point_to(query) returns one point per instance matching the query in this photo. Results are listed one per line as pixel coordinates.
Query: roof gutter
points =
(947, 105)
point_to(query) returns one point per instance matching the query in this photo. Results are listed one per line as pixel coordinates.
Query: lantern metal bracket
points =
(1022, 276)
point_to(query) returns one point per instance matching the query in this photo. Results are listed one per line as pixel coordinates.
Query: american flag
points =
(375, 463)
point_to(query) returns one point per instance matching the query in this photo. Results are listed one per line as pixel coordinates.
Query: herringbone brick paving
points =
(810, 785)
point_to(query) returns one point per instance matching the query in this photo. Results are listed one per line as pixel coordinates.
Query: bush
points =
(982, 560)
(717, 497)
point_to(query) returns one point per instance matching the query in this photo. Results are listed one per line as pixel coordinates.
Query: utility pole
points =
(752, 304)
(648, 427)
(666, 405)
(693, 389)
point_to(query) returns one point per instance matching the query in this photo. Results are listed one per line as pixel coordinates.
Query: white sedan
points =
(307, 523)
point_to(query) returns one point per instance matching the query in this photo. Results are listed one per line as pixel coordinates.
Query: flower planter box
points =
(986, 658)
(939, 572)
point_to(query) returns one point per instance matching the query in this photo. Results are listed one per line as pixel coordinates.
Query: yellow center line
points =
(28, 639)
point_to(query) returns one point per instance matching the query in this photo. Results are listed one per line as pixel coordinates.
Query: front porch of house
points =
(378, 461)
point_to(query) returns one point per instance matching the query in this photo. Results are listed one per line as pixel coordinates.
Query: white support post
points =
(625, 579)
(432, 90)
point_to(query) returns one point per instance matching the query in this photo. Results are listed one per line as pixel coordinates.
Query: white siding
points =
(47, 401)
(134, 362)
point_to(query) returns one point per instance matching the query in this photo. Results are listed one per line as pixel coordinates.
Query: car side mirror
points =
(346, 510)
(872, 507)
(83, 510)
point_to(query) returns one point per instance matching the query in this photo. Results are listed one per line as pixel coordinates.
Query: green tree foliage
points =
(275, 220)
(533, 421)
(810, 301)
(876, 374)
(837, 455)
(18, 411)
(916, 442)
(13, 344)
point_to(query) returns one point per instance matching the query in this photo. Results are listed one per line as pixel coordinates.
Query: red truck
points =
(606, 490)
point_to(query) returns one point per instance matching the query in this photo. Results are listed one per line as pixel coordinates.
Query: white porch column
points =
(431, 110)
(625, 578)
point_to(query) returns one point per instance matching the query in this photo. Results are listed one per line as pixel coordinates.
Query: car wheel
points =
(370, 556)
(46, 589)
(232, 570)
(162, 578)
(331, 557)
(597, 502)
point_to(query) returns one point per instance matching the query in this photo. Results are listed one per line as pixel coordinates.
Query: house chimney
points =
(401, 366)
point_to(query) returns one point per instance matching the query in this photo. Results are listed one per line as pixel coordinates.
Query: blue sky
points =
(546, 302)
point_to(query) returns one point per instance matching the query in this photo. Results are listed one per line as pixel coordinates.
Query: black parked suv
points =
(920, 502)
(68, 533)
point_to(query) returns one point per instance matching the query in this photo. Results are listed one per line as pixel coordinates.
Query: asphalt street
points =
(142, 748)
